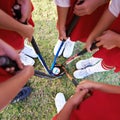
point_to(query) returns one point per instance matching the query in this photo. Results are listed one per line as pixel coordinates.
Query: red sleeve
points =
(31, 20)
(55, 117)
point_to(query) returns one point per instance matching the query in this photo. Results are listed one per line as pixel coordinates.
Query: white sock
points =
(97, 68)
(87, 62)
(94, 60)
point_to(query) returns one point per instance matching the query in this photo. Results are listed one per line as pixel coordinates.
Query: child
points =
(103, 104)
(108, 41)
(89, 12)
(12, 31)
(11, 83)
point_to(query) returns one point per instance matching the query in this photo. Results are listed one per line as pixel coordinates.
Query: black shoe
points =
(23, 94)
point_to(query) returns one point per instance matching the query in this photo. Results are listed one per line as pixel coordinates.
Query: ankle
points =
(94, 60)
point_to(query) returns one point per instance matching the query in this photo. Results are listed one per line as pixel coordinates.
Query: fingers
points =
(81, 86)
(99, 43)
(30, 38)
(79, 10)
(88, 46)
(83, 92)
(83, 9)
(63, 38)
(85, 84)
(10, 70)
(19, 63)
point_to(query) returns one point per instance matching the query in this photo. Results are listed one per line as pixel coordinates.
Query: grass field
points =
(40, 104)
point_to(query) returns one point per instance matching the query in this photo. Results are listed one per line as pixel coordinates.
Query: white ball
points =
(56, 70)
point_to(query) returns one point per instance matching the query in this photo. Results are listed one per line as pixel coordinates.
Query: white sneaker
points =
(59, 101)
(80, 74)
(29, 51)
(68, 48)
(26, 60)
(57, 47)
(87, 63)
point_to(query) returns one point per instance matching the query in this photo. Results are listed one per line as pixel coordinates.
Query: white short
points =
(62, 3)
(114, 7)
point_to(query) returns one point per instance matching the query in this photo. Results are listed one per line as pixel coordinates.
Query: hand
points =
(87, 84)
(89, 43)
(87, 7)
(109, 40)
(62, 35)
(78, 97)
(26, 9)
(7, 50)
(26, 32)
(28, 70)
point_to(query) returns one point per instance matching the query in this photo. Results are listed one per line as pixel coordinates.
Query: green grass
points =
(40, 104)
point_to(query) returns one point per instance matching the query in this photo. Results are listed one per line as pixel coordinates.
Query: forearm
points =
(100, 2)
(117, 42)
(65, 112)
(9, 23)
(62, 16)
(10, 88)
(108, 88)
(6, 48)
(103, 24)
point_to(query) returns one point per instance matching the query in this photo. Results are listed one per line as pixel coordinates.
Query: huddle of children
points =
(99, 21)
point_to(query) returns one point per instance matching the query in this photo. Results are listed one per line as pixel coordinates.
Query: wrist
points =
(117, 42)
(101, 2)
(22, 29)
(71, 103)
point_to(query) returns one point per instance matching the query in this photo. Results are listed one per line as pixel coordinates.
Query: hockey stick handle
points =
(35, 46)
(68, 32)
(17, 11)
(6, 62)
(73, 22)
(74, 81)
(93, 46)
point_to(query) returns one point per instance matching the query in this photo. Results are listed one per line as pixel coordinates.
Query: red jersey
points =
(11, 37)
(100, 106)
(85, 26)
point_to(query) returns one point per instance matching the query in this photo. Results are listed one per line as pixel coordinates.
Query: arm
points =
(105, 21)
(10, 88)
(109, 39)
(62, 16)
(91, 85)
(7, 50)
(9, 23)
(62, 10)
(71, 104)
(26, 9)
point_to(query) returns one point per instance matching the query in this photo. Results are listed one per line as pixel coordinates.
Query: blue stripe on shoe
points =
(23, 94)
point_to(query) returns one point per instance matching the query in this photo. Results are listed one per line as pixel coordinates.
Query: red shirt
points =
(100, 106)
(12, 38)
(85, 26)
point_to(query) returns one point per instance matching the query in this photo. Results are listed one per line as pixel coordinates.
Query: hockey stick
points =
(6, 62)
(82, 52)
(68, 32)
